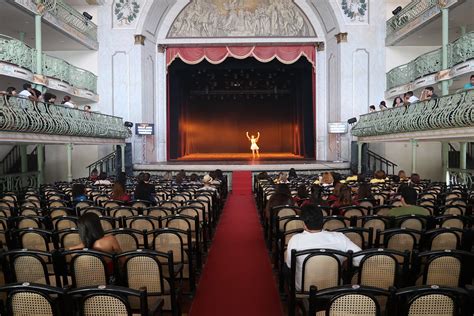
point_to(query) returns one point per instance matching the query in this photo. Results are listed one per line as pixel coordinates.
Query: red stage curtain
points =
(217, 54)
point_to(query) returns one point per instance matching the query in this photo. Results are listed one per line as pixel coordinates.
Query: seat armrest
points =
(156, 308)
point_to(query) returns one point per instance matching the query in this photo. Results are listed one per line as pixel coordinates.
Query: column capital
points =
(161, 48)
(320, 46)
(139, 39)
(341, 37)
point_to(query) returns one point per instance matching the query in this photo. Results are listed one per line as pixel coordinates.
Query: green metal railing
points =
(451, 111)
(459, 51)
(17, 181)
(15, 52)
(409, 13)
(23, 115)
(75, 19)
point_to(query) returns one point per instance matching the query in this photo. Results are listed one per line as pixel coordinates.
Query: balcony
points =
(449, 117)
(24, 120)
(460, 56)
(19, 60)
(412, 18)
(67, 19)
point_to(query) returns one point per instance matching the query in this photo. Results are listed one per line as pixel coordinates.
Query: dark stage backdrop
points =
(210, 123)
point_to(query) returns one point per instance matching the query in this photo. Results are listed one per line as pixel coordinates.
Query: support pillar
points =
(69, 162)
(359, 157)
(122, 156)
(39, 49)
(23, 164)
(40, 157)
(445, 160)
(22, 37)
(414, 144)
(444, 48)
(463, 155)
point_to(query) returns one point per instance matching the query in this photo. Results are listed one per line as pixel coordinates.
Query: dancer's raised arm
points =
(247, 133)
(258, 136)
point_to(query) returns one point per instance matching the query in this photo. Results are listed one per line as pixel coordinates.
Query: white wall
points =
(399, 55)
(82, 156)
(428, 162)
(87, 60)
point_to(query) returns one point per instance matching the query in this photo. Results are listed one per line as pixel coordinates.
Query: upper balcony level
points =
(22, 120)
(419, 22)
(18, 60)
(62, 24)
(446, 118)
(427, 69)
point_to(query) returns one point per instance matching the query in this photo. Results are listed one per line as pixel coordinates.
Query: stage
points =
(241, 157)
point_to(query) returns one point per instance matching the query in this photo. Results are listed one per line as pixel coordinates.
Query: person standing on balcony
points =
(410, 97)
(11, 91)
(397, 102)
(49, 98)
(67, 102)
(382, 105)
(470, 84)
(27, 92)
(428, 94)
(372, 109)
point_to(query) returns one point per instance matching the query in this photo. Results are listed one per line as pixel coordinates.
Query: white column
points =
(161, 128)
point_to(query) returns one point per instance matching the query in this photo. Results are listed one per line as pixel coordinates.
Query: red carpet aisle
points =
(237, 278)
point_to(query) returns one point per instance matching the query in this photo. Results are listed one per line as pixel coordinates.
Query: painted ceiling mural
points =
(241, 18)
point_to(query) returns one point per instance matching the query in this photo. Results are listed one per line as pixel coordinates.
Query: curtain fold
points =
(217, 54)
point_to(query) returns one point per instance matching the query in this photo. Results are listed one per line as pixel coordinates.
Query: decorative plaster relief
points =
(126, 13)
(355, 11)
(241, 18)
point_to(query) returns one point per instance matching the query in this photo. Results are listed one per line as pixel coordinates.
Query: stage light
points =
(87, 15)
(352, 120)
(397, 10)
(128, 124)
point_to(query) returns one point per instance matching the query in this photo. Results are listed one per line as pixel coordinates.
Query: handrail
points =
(384, 163)
(18, 53)
(110, 162)
(459, 51)
(72, 17)
(22, 115)
(10, 159)
(17, 181)
(451, 111)
(409, 13)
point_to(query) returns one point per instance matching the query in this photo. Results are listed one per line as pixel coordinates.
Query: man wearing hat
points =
(207, 185)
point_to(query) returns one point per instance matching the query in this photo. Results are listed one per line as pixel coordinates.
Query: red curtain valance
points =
(217, 54)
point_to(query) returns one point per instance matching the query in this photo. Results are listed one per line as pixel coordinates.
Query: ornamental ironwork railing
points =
(459, 51)
(18, 181)
(75, 19)
(452, 111)
(23, 115)
(460, 176)
(409, 13)
(17, 53)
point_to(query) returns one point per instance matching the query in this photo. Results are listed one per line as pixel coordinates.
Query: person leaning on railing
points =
(470, 84)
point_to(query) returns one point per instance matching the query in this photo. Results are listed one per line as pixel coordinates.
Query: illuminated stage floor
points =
(241, 156)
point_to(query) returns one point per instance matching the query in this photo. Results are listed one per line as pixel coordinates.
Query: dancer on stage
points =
(254, 147)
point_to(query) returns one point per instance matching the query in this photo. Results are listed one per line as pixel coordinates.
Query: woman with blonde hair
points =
(327, 179)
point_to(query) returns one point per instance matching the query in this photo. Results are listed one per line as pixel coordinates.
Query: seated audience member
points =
(415, 179)
(326, 179)
(167, 176)
(292, 174)
(102, 179)
(410, 97)
(345, 198)
(382, 105)
(470, 84)
(144, 190)
(207, 185)
(282, 196)
(27, 92)
(334, 196)
(119, 193)
(194, 179)
(316, 197)
(301, 195)
(282, 178)
(68, 102)
(263, 176)
(372, 108)
(92, 236)
(408, 199)
(178, 180)
(364, 192)
(402, 175)
(397, 102)
(219, 175)
(354, 176)
(214, 178)
(314, 237)
(379, 177)
(78, 192)
(94, 175)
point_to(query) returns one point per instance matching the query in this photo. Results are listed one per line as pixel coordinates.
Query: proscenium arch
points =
(159, 15)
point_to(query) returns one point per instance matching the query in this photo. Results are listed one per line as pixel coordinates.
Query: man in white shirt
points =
(67, 102)
(410, 97)
(314, 237)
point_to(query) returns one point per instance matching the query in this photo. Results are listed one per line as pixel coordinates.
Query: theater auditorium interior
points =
(236, 157)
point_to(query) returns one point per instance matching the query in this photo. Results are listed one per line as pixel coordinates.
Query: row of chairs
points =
(378, 268)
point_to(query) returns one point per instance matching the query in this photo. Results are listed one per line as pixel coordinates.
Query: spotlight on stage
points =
(352, 120)
(128, 124)
(397, 10)
(87, 15)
